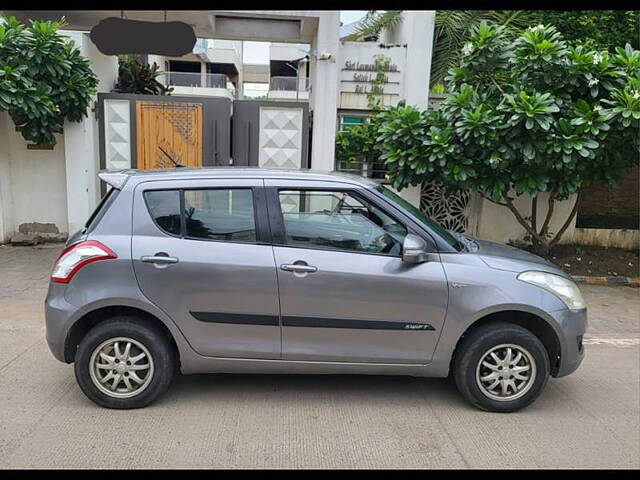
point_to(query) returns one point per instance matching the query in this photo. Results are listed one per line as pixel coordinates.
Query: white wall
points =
(32, 182)
(6, 217)
(416, 30)
(81, 140)
(410, 194)
(323, 97)
(498, 223)
(157, 59)
(288, 95)
(224, 51)
(57, 186)
(255, 73)
(179, 91)
(287, 51)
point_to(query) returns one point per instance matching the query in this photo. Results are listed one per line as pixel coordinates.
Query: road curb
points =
(627, 281)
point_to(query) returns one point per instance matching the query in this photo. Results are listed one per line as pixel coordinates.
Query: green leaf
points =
(33, 83)
(519, 115)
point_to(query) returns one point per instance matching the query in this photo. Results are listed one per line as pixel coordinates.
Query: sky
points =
(258, 52)
(348, 16)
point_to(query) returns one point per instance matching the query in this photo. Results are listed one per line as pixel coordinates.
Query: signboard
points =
(367, 71)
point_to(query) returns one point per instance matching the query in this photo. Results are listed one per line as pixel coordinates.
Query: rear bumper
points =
(57, 313)
(573, 325)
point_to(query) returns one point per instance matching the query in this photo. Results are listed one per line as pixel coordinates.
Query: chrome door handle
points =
(158, 259)
(298, 268)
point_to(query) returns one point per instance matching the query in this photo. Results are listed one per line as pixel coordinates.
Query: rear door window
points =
(223, 214)
(220, 214)
(164, 207)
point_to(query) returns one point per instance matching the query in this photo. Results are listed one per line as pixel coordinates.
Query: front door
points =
(345, 293)
(201, 253)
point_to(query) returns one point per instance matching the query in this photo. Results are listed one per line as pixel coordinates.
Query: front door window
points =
(339, 220)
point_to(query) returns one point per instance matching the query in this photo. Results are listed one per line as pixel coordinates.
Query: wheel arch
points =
(536, 324)
(89, 320)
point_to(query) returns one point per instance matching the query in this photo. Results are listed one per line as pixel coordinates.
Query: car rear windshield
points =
(100, 210)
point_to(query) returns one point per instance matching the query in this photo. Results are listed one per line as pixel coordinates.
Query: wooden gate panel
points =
(174, 126)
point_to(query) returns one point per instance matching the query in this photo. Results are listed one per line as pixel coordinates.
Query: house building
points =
(213, 69)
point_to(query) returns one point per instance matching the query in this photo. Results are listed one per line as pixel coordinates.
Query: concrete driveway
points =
(590, 419)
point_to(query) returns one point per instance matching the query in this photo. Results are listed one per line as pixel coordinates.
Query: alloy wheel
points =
(121, 367)
(506, 372)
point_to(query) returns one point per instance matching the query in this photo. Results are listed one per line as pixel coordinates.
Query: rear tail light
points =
(77, 256)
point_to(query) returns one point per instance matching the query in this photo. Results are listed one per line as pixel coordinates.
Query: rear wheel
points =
(124, 362)
(501, 367)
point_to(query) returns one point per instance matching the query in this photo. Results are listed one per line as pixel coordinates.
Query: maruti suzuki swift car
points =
(276, 271)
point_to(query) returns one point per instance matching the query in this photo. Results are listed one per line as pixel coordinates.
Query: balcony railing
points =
(193, 79)
(289, 84)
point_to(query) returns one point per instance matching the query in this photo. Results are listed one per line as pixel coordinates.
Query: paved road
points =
(589, 419)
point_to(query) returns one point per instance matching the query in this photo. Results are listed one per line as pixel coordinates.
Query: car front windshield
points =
(433, 225)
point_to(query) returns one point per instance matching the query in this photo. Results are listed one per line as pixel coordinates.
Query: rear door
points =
(201, 253)
(345, 293)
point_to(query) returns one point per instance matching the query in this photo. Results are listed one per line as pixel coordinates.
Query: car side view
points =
(276, 271)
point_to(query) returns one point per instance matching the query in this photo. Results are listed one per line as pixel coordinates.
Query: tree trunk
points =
(567, 222)
(542, 249)
(541, 243)
(534, 220)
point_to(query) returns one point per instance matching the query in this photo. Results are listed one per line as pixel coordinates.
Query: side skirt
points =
(202, 364)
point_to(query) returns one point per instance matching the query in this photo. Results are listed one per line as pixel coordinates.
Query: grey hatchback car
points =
(277, 271)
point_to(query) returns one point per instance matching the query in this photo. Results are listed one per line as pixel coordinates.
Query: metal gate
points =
(133, 128)
(270, 134)
(201, 131)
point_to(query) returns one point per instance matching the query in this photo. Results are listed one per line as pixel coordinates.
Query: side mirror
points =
(414, 249)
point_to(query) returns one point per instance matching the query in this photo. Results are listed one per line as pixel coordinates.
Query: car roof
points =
(118, 176)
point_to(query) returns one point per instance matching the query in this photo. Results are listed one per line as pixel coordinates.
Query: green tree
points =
(601, 29)
(524, 116)
(356, 146)
(136, 76)
(43, 79)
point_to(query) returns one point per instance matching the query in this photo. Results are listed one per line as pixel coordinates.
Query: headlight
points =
(563, 288)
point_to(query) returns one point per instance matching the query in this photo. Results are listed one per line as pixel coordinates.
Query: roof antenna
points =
(175, 163)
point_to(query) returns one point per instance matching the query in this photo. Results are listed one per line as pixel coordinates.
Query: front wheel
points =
(501, 367)
(124, 363)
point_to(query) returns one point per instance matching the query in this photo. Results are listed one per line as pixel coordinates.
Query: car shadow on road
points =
(371, 389)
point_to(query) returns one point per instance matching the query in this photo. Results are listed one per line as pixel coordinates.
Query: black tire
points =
(473, 348)
(154, 340)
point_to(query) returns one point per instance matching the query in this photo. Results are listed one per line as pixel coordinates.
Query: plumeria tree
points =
(522, 117)
(43, 79)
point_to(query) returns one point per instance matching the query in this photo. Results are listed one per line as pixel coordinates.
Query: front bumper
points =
(573, 325)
